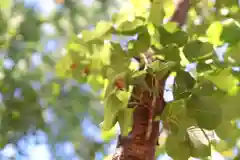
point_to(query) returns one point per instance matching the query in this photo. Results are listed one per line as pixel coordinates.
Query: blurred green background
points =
(43, 117)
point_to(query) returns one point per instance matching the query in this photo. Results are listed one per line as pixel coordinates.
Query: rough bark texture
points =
(137, 146)
(180, 14)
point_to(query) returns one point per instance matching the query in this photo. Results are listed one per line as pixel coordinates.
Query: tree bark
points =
(137, 146)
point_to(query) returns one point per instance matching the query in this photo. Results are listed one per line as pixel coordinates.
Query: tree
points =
(125, 61)
(133, 96)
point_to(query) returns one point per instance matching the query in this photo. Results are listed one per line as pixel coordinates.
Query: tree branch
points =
(181, 11)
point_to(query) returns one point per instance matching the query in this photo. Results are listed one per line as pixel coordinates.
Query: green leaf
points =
(110, 87)
(232, 54)
(64, 70)
(4, 4)
(183, 84)
(125, 120)
(236, 74)
(164, 36)
(138, 77)
(119, 58)
(156, 9)
(228, 4)
(31, 24)
(56, 89)
(180, 38)
(3, 23)
(104, 54)
(130, 27)
(196, 50)
(78, 46)
(139, 4)
(171, 53)
(214, 32)
(160, 68)
(141, 45)
(203, 67)
(226, 130)
(205, 88)
(108, 135)
(174, 108)
(88, 35)
(112, 106)
(177, 149)
(5, 7)
(200, 146)
(224, 80)
(120, 17)
(170, 34)
(140, 7)
(230, 107)
(171, 27)
(176, 119)
(118, 50)
(101, 30)
(231, 32)
(96, 82)
(123, 96)
(206, 110)
(222, 146)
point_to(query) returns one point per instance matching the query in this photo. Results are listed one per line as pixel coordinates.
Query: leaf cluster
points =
(205, 98)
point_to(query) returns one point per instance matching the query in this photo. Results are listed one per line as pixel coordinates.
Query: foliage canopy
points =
(205, 98)
(201, 99)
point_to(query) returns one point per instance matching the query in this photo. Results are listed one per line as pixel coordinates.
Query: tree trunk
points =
(138, 146)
